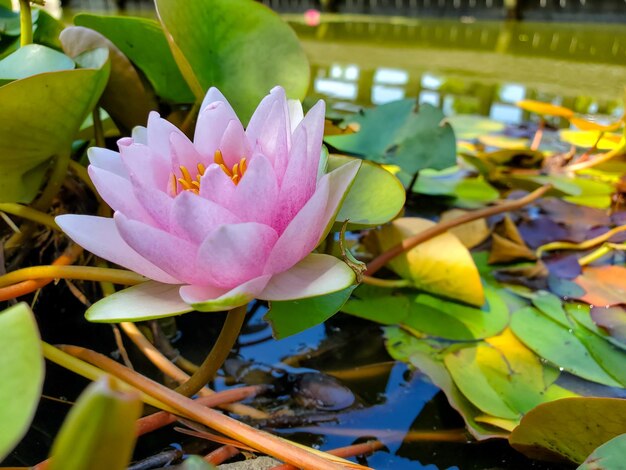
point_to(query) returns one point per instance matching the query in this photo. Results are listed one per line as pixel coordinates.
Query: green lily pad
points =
(558, 344)
(142, 40)
(239, 46)
(99, 431)
(195, 462)
(609, 456)
(570, 428)
(398, 133)
(291, 317)
(469, 127)
(31, 60)
(39, 117)
(22, 373)
(375, 197)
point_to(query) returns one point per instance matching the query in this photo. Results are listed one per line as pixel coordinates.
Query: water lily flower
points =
(215, 222)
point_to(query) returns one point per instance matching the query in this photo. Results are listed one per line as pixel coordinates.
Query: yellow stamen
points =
(174, 184)
(186, 175)
(236, 179)
(219, 158)
(243, 165)
(236, 170)
(201, 169)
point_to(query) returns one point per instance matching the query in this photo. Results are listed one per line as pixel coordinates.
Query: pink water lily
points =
(232, 216)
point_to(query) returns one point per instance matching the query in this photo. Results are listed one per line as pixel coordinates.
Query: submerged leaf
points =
(609, 456)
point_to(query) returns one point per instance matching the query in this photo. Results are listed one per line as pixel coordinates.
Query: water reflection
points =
(480, 68)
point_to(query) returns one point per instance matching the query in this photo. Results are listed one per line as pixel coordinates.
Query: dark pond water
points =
(462, 66)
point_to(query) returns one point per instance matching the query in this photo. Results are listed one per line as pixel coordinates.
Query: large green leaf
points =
(570, 428)
(291, 317)
(31, 60)
(99, 431)
(239, 46)
(142, 40)
(398, 133)
(559, 345)
(609, 456)
(39, 118)
(21, 374)
(375, 197)
(126, 98)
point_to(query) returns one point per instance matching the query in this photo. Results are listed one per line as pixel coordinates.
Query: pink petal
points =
(210, 299)
(158, 136)
(302, 234)
(144, 166)
(298, 183)
(100, 236)
(118, 193)
(107, 160)
(256, 195)
(217, 186)
(212, 123)
(274, 139)
(140, 135)
(184, 153)
(315, 275)
(155, 202)
(234, 144)
(295, 113)
(313, 123)
(314, 220)
(261, 120)
(193, 217)
(212, 96)
(234, 254)
(172, 254)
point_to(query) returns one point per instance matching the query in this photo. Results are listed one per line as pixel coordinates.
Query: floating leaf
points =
(402, 134)
(127, 100)
(99, 431)
(469, 127)
(239, 46)
(589, 139)
(612, 319)
(29, 137)
(545, 109)
(441, 265)
(375, 197)
(291, 317)
(142, 40)
(609, 456)
(471, 233)
(570, 428)
(31, 60)
(424, 355)
(559, 345)
(604, 285)
(21, 374)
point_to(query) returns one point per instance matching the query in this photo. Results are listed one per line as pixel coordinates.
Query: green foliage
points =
(22, 373)
(376, 196)
(400, 133)
(291, 317)
(570, 428)
(30, 60)
(239, 46)
(39, 117)
(99, 431)
(143, 42)
(609, 456)
(195, 462)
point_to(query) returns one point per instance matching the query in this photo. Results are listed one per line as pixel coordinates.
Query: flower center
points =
(187, 183)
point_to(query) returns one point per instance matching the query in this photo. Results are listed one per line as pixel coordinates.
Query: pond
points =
(460, 66)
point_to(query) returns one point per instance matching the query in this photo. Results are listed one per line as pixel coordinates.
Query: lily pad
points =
(375, 197)
(609, 456)
(22, 373)
(441, 265)
(291, 317)
(569, 429)
(31, 60)
(401, 133)
(29, 138)
(142, 40)
(239, 46)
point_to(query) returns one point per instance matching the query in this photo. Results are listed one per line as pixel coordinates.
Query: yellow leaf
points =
(587, 139)
(585, 125)
(545, 109)
(470, 234)
(441, 265)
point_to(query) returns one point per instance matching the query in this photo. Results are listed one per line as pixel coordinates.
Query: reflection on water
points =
(475, 67)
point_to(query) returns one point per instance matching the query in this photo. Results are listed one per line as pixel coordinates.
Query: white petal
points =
(313, 276)
(212, 96)
(107, 160)
(145, 301)
(210, 299)
(295, 113)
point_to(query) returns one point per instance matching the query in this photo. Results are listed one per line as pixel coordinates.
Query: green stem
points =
(27, 213)
(219, 353)
(98, 131)
(26, 23)
(388, 283)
